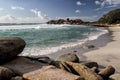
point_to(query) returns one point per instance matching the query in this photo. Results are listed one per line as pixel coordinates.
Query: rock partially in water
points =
(5, 73)
(10, 47)
(72, 57)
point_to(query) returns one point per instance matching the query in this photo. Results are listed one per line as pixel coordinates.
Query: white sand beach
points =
(109, 54)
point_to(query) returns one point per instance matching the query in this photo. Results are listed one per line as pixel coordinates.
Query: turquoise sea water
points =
(44, 38)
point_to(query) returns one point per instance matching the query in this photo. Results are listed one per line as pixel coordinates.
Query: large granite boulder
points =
(5, 73)
(22, 65)
(50, 73)
(72, 57)
(10, 47)
(77, 69)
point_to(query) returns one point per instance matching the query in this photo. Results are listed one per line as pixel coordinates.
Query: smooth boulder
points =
(50, 73)
(10, 47)
(72, 57)
(5, 73)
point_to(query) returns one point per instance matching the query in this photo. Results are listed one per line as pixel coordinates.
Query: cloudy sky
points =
(38, 11)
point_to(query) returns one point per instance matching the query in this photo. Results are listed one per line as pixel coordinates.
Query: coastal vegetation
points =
(112, 17)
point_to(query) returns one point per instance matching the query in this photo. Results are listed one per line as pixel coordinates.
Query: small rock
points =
(5, 73)
(72, 57)
(88, 46)
(105, 73)
(91, 64)
(10, 47)
(17, 78)
(42, 59)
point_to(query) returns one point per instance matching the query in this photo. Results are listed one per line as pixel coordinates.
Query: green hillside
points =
(111, 17)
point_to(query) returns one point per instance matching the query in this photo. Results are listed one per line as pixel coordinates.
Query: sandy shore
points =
(109, 54)
(106, 51)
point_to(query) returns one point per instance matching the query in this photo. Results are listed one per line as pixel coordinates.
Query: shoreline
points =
(108, 54)
(79, 50)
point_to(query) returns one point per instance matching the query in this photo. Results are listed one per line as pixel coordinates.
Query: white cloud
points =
(17, 8)
(79, 3)
(77, 11)
(1, 9)
(13, 19)
(39, 14)
(107, 3)
(97, 2)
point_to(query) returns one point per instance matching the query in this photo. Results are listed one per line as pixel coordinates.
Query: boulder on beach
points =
(72, 57)
(50, 73)
(22, 65)
(5, 73)
(90, 64)
(77, 69)
(107, 72)
(10, 47)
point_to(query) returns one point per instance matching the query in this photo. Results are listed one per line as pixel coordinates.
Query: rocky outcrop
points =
(67, 21)
(78, 69)
(10, 47)
(51, 73)
(22, 65)
(72, 57)
(44, 68)
(5, 73)
(111, 17)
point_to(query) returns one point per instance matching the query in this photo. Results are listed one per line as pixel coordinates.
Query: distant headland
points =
(112, 17)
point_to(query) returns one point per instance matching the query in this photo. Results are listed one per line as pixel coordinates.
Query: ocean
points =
(44, 39)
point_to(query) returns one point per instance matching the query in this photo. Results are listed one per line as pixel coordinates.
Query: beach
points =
(105, 53)
(109, 54)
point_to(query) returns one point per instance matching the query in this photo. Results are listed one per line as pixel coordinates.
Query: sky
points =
(39, 11)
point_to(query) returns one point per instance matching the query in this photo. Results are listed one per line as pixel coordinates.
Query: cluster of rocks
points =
(65, 67)
(67, 21)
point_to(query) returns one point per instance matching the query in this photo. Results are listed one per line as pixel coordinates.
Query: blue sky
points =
(35, 11)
